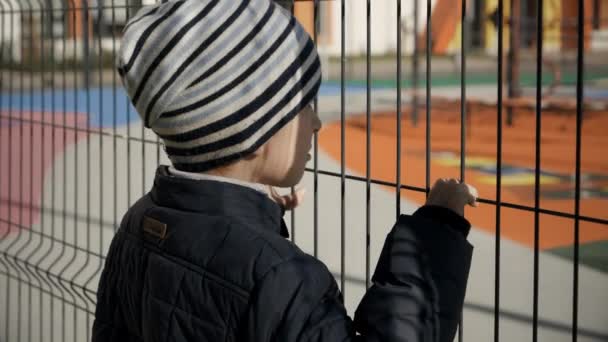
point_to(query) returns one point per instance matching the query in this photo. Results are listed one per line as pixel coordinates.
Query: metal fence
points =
(74, 156)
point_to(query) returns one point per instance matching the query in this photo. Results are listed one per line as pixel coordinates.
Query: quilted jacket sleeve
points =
(419, 283)
(417, 292)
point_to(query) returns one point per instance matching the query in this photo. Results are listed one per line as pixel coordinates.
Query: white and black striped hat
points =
(216, 79)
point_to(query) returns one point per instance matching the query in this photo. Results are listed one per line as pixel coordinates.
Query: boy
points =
(227, 85)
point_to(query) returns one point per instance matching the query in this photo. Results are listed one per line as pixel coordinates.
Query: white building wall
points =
(383, 26)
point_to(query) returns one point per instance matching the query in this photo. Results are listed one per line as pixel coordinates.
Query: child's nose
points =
(317, 124)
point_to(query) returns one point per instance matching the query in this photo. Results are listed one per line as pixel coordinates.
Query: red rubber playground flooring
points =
(29, 144)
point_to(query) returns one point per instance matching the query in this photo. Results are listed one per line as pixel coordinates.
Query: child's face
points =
(289, 149)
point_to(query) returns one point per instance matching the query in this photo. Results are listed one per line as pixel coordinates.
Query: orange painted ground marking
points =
(557, 155)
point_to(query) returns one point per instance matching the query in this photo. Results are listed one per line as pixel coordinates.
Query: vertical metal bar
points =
(17, 256)
(10, 176)
(20, 203)
(342, 143)
(293, 211)
(128, 147)
(49, 270)
(19, 182)
(289, 5)
(4, 234)
(100, 160)
(22, 171)
(316, 151)
(38, 275)
(53, 186)
(114, 126)
(75, 170)
(100, 156)
(415, 67)
(158, 142)
(293, 219)
(87, 85)
(20, 232)
(368, 147)
(539, 84)
(597, 21)
(514, 55)
(41, 317)
(71, 290)
(463, 112)
(62, 287)
(398, 171)
(2, 13)
(597, 16)
(429, 51)
(463, 90)
(71, 12)
(498, 172)
(143, 159)
(580, 73)
(31, 168)
(9, 172)
(76, 178)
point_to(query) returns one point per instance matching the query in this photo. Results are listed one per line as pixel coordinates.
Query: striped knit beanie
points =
(216, 79)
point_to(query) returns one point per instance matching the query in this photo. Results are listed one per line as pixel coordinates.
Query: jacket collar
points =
(218, 198)
(202, 176)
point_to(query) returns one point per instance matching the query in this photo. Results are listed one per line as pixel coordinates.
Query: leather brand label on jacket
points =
(155, 227)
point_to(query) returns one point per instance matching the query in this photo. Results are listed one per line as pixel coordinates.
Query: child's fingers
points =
(295, 198)
(272, 191)
(275, 196)
(289, 201)
(298, 193)
(472, 195)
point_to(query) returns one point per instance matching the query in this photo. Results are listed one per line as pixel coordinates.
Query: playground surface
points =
(79, 159)
(557, 161)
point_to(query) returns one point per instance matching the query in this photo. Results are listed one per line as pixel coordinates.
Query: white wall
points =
(383, 26)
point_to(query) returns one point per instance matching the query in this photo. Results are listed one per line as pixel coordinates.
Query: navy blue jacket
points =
(209, 261)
